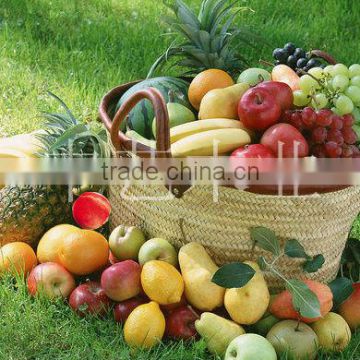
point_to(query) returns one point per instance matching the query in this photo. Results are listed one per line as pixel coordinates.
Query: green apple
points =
(297, 340)
(178, 115)
(333, 332)
(158, 249)
(125, 242)
(250, 347)
(217, 332)
(253, 76)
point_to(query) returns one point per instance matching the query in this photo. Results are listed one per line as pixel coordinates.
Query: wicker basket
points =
(320, 221)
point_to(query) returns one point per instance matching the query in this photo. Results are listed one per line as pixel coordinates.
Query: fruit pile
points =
(314, 114)
(157, 293)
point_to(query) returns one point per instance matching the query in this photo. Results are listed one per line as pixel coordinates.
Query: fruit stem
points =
(193, 311)
(301, 71)
(297, 325)
(264, 62)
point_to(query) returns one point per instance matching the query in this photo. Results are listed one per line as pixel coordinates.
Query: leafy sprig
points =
(238, 275)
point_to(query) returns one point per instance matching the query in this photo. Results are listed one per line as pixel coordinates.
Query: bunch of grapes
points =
(296, 58)
(336, 87)
(329, 135)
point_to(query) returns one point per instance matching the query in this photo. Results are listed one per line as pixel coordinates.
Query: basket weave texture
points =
(321, 223)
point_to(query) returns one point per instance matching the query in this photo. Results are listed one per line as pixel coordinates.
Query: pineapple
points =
(209, 40)
(26, 213)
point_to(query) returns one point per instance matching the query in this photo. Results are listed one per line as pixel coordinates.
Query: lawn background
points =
(79, 50)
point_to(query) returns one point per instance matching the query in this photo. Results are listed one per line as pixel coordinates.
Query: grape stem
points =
(264, 62)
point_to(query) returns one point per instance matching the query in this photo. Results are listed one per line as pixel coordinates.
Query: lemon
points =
(162, 282)
(145, 326)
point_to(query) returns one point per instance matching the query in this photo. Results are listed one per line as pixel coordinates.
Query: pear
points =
(248, 304)
(178, 115)
(217, 332)
(222, 103)
(333, 332)
(197, 269)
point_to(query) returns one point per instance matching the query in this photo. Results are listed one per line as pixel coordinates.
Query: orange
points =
(83, 252)
(51, 242)
(205, 81)
(17, 256)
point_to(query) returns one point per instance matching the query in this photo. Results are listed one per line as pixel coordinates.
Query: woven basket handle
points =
(324, 55)
(120, 141)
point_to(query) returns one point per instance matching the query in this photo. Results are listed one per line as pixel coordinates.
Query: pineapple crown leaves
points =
(65, 136)
(210, 40)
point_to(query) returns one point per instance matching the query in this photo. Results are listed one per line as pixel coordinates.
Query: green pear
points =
(333, 332)
(197, 269)
(263, 326)
(248, 304)
(222, 103)
(217, 332)
(178, 115)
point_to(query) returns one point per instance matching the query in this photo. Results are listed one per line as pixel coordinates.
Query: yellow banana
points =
(27, 144)
(184, 130)
(204, 143)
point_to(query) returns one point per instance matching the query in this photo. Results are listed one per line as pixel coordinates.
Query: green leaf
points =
(294, 249)
(314, 264)
(265, 239)
(341, 288)
(233, 275)
(303, 299)
(262, 263)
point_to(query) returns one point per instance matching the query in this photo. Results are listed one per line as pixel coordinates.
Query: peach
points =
(91, 210)
(282, 306)
(285, 74)
(350, 308)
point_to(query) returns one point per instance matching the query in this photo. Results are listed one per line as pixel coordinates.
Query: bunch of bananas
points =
(204, 137)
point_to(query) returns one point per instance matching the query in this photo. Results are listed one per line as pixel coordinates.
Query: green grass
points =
(36, 328)
(81, 49)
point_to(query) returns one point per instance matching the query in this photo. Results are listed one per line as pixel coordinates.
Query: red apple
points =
(252, 155)
(258, 109)
(121, 281)
(89, 298)
(350, 308)
(112, 259)
(282, 92)
(180, 324)
(287, 137)
(123, 309)
(51, 279)
(91, 210)
(167, 309)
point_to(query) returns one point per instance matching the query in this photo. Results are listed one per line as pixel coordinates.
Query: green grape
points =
(355, 80)
(356, 114)
(319, 101)
(317, 72)
(340, 69)
(335, 111)
(329, 70)
(340, 82)
(300, 98)
(354, 70)
(344, 105)
(307, 83)
(353, 92)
